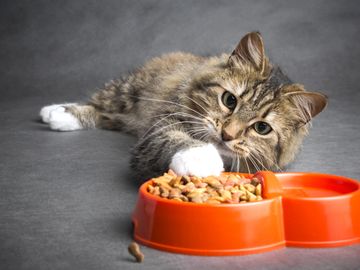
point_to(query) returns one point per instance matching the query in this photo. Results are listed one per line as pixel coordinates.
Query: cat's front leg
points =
(176, 150)
(201, 161)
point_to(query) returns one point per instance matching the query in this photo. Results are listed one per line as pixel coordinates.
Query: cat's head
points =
(253, 113)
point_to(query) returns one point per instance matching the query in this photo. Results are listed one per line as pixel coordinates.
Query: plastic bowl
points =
(299, 209)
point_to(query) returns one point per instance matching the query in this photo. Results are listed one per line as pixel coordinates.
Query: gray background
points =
(66, 198)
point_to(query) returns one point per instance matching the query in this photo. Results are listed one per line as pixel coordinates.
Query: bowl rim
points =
(326, 198)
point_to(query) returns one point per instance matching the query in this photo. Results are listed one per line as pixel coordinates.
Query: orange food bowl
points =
(299, 209)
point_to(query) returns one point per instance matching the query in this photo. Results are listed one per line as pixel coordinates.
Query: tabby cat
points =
(201, 115)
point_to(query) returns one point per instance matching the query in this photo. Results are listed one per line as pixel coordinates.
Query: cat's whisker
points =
(247, 165)
(168, 102)
(254, 163)
(258, 159)
(253, 156)
(200, 133)
(154, 125)
(188, 115)
(261, 162)
(196, 133)
(176, 113)
(260, 155)
(272, 162)
(197, 103)
(232, 164)
(157, 131)
(163, 119)
(204, 137)
(238, 163)
(167, 126)
(197, 128)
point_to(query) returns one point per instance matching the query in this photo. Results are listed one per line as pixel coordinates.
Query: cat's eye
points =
(262, 128)
(229, 100)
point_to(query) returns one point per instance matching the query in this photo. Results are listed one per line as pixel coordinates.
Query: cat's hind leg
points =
(69, 116)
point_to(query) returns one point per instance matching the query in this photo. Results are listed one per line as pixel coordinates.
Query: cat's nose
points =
(226, 136)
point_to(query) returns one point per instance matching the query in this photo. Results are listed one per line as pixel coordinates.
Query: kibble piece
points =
(197, 198)
(197, 182)
(150, 188)
(134, 250)
(213, 182)
(258, 190)
(213, 201)
(165, 194)
(242, 188)
(174, 193)
(189, 187)
(185, 179)
(184, 198)
(226, 195)
(156, 191)
(255, 182)
(163, 182)
(250, 196)
(175, 181)
(171, 172)
(250, 188)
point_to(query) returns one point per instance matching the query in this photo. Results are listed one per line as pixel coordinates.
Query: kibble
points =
(230, 188)
(134, 250)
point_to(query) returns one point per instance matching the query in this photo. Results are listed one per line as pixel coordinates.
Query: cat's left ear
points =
(308, 104)
(250, 51)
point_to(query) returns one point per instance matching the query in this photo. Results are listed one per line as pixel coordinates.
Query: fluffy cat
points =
(201, 115)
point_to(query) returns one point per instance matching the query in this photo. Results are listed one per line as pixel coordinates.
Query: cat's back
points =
(173, 62)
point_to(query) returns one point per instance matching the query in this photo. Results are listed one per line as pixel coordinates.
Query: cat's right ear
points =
(308, 104)
(249, 51)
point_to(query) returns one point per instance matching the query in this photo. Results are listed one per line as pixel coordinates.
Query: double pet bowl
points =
(299, 209)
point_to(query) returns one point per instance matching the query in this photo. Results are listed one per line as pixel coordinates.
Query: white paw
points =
(200, 161)
(46, 111)
(61, 120)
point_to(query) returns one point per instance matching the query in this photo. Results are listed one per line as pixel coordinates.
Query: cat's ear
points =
(308, 104)
(249, 51)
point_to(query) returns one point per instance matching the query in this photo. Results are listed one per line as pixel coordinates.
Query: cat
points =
(201, 115)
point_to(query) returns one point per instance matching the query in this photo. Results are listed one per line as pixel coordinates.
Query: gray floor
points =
(66, 198)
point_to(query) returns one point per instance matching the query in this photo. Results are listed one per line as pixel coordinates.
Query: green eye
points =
(229, 100)
(262, 128)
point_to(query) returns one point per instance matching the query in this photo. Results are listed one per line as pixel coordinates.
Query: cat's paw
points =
(59, 119)
(45, 112)
(200, 161)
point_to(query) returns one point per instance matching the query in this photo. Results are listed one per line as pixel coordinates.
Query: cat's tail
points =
(70, 116)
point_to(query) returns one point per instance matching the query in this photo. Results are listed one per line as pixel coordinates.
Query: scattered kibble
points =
(135, 251)
(230, 188)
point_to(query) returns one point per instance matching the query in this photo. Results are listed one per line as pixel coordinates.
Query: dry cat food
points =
(134, 250)
(215, 190)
